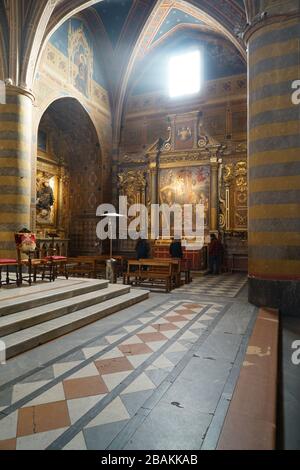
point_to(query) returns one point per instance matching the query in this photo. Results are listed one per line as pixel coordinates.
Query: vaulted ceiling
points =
(117, 16)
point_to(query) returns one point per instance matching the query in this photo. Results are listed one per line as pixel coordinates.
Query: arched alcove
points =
(69, 178)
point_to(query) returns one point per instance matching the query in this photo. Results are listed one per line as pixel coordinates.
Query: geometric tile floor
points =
(156, 381)
(228, 285)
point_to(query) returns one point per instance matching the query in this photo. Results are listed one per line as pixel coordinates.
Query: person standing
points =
(215, 252)
(142, 249)
(176, 249)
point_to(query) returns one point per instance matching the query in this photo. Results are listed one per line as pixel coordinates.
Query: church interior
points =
(108, 344)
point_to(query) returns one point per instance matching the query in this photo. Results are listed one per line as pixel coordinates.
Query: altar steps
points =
(30, 320)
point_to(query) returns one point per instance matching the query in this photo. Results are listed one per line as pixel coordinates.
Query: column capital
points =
(214, 163)
(17, 90)
(265, 19)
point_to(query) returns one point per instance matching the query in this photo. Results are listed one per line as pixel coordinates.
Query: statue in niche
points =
(45, 200)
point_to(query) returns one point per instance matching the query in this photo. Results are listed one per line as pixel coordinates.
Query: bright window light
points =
(184, 74)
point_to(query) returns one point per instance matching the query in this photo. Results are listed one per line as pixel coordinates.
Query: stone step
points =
(38, 295)
(30, 338)
(21, 320)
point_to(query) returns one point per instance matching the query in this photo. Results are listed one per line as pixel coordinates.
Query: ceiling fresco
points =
(175, 18)
(113, 14)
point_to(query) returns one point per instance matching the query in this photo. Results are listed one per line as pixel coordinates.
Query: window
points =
(184, 74)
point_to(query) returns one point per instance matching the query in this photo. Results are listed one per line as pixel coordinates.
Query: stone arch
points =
(153, 24)
(56, 96)
(78, 164)
(3, 42)
(45, 25)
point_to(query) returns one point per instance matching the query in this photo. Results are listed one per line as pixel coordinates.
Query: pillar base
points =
(284, 295)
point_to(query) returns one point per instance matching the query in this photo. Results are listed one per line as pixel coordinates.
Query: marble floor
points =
(158, 375)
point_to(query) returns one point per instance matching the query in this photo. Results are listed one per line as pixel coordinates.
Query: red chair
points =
(26, 246)
(7, 264)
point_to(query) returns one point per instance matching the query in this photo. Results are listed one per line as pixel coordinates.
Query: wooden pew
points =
(155, 273)
(100, 264)
(81, 267)
(176, 262)
(184, 266)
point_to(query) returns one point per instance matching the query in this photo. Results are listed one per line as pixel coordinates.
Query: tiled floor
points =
(169, 363)
(227, 285)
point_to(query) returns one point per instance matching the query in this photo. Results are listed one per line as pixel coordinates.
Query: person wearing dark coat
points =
(176, 249)
(142, 249)
(215, 254)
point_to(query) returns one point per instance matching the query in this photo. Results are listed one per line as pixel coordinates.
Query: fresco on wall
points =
(74, 40)
(80, 53)
(186, 186)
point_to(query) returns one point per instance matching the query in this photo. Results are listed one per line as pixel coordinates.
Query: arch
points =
(152, 25)
(3, 42)
(41, 110)
(194, 32)
(3, 67)
(56, 96)
(40, 17)
(72, 162)
(46, 25)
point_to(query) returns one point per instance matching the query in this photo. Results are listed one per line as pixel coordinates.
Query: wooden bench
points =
(155, 273)
(100, 264)
(183, 266)
(176, 262)
(81, 267)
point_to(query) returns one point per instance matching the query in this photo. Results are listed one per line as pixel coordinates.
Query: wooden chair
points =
(7, 264)
(26, 249)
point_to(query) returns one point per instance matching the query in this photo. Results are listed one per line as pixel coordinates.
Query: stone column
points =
(274, 164)
(214, 195)
(15, 166)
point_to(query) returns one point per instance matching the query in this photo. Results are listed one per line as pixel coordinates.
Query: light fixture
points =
(110, 216)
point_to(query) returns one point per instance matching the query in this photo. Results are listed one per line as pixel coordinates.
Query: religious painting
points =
(45, 198)
(186, 186)
(185, 136)
(80, 60)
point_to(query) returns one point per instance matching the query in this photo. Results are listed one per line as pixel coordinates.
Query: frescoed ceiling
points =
(219, 59)
(175, 18)
(113, 14)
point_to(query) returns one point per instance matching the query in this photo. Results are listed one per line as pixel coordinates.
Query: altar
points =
(191, 166)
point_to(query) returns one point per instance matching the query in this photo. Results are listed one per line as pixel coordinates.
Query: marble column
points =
(274, 164)
(15, 166)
